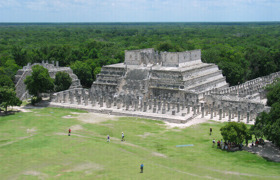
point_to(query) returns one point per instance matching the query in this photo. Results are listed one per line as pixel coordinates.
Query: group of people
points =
(227, 145)
(258, 142)
(222, 145)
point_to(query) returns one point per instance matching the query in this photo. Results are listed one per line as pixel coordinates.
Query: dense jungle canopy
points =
(243, 51)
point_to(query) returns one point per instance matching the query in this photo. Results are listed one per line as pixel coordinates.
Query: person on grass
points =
(123, 137)
(108, 138)
(142, 168)
(69, 132)
(213, 142)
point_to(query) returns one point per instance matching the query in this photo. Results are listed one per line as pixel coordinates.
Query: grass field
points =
(35, 145)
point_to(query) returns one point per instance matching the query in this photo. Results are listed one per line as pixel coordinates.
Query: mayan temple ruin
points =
(21, 91)
(170, 86)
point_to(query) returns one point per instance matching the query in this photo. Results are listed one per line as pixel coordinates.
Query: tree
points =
(19, 55)
(235, 132)
(233, 72)
(62, 81)
(259, 126)
(165, 46)
(8, 98)
(83, 71)
(6, 81)
(39, 81)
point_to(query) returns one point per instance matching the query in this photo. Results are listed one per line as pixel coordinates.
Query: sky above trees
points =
(138, 10)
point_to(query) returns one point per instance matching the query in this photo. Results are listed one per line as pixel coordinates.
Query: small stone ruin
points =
(171, 86)
(21, 75)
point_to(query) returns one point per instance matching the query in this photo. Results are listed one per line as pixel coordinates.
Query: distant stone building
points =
(21, 75)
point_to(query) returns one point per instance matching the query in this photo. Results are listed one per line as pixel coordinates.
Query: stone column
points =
(229, 114)
(101, 101)
(127, 105)
(251, 115)
(178, 107)
(86, 99)
(159, 105)
(145, 106)
(154, 109)
(215, 110)
(109, 102)
(188, 109)
(115, 101)
(83, 95)
(119, 105)
(79, 99)
(141, 104)
(168, 106)
(123, 101)
(136, 103)
(248, 117)
(71, 97)
(64, 97)
(183, 105)
(93, 100)
(194, 110)
(211, 117)
(238, 118)
(150, 103)
(173, 112)
(202, 111)
(164, 107)
(220, 114)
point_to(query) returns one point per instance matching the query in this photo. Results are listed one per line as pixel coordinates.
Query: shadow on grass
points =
(12, 112)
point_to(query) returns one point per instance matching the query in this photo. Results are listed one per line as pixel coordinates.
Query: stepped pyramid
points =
(146, 72)
(21, 75)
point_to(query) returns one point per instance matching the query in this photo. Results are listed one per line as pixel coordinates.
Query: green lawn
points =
(35, 145)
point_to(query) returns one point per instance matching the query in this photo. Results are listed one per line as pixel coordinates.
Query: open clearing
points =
(35, 145)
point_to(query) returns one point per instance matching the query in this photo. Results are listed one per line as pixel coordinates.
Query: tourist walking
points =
(123, 137)
(69, 132)
(142, 168)
(218, 144)
(108, 138)
(213, 142)
(210, 131)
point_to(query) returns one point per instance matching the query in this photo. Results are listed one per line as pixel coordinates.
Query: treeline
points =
(242, 50)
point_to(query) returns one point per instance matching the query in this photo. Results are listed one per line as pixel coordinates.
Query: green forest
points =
(243, 51)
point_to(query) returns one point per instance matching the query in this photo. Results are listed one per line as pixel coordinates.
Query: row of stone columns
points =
(223, 110)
